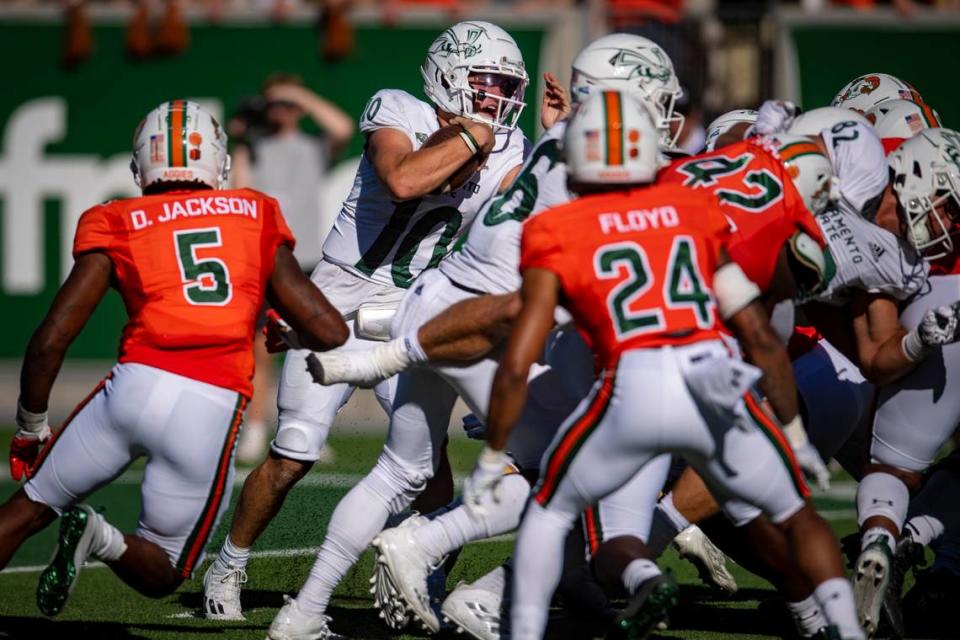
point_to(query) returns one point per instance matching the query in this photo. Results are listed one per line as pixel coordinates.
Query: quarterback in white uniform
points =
(401, 217)
(474, 70)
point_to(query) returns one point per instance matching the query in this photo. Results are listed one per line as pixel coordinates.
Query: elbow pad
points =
(733, 289)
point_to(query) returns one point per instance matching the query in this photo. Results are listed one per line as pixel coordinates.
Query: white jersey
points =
(391, 242)
(868, 258)
(860, 164)
(489, 259)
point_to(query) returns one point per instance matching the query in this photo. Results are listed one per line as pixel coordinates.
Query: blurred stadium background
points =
(78, 75)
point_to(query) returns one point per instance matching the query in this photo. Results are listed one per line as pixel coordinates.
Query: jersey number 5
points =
(683, 287)
(207, 281)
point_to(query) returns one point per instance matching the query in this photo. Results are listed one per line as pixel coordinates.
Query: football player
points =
(397, 221)
(605, 257)
(192, 263)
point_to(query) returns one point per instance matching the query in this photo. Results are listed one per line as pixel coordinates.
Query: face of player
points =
(488, 87)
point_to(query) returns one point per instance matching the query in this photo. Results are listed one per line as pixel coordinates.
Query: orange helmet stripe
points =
(177, 155)
(613, 117)
(797, 149)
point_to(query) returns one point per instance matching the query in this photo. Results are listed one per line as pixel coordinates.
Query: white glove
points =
(482, 487)
(938, 327)
(808, 457)
(774, 116)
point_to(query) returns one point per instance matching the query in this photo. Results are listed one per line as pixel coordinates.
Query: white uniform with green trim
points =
(489, 258)
(392, 242)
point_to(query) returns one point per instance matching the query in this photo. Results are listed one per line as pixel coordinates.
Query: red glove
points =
(280, 336)
(27, 442)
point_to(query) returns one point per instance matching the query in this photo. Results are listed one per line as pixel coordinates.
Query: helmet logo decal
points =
(643, 67)
(467, 49)
(861, 86)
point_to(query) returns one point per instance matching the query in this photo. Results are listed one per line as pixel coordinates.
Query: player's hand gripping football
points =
(482, 487)
(482, 133)
(808, 457)
(938, 327)
(33, 431)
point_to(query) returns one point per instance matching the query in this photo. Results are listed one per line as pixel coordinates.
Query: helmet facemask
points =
(509, 102)
(924, 219)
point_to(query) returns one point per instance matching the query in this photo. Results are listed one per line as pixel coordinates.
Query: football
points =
(459, 177)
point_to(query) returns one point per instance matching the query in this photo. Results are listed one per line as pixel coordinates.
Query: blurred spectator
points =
(275, 156)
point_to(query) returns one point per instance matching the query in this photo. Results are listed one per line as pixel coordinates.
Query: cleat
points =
(871, 580)
(647, 608)
(221, 591)
(293, 624)
(475, 611)
(402, 570)
(711, 563)
(78, 531)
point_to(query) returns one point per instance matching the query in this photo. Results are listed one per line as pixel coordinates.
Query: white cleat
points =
(695, 547)
(221, 591)
(362, 368)
(400, 578)
(293, 624)
(871, 577)
(474, 610)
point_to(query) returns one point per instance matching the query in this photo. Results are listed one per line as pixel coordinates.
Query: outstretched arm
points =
(318, 324)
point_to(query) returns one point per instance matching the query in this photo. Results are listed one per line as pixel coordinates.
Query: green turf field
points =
(103, 607)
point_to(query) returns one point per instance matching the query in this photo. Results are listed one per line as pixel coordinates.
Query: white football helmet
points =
(926, 175)
(611, 139)
(867, 91)
(479, 49)
(811, 123)
(724, 122)
(180, 142)
(902, 118)
(629, 62)
(810, 169)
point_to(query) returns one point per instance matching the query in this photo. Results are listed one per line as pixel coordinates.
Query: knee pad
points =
(299, 439)
(397, 482)
(882, 494)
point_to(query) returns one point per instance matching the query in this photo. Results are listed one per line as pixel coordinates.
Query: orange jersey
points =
(758, 197)
(636, 268)
(192, 268)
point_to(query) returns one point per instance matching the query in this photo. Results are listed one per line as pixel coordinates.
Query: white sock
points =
(667, 523)
(358, 518)
(877, 533)
(882, 495)
(835, 597)
(232, 555)
(536, 570)
(450, 531)
(924, 530)
(638, 572)
(807, 616)
(414, 350)
(108, 542)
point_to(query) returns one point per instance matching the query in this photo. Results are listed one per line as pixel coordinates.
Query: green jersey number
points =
(408, 243)
(763, 188)
(684, 286)
(517, 202)
(207, 281)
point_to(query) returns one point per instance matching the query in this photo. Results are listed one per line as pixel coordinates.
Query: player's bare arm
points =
(879, 334)
(539, 296)
(411, 174)
(71, 309)
(318, 324)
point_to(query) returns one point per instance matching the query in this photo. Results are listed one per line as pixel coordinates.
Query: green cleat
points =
(73, 548)
(647, 608)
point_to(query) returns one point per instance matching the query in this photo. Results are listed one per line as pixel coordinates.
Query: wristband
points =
(913, 347)
(795, 433)
(30, 421)
(470, 141)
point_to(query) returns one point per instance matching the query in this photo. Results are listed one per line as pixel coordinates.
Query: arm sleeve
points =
(94, 231)
(860, 163)
(538, 246)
